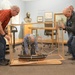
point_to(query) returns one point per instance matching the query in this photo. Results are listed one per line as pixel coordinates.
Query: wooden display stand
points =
(39, 62)
(27, 30)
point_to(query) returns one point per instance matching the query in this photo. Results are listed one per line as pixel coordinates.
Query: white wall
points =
(19, 3)
(39, 7)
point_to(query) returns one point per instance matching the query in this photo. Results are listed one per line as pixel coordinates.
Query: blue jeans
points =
(33, 49)
(69, 41)
(2, 47)
(71, 45)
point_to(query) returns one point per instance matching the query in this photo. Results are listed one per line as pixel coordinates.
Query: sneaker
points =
(3, 62)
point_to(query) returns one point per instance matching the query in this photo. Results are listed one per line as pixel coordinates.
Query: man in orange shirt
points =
(5, 16)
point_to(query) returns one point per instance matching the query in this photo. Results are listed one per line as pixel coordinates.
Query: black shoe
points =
(71, 58)
(67, 54)
(3, 62)
(7, 60)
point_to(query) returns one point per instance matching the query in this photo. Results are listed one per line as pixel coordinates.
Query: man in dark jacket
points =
(70, 27)
(68, 23)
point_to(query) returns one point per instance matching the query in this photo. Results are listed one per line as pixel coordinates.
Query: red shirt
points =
(5, 16)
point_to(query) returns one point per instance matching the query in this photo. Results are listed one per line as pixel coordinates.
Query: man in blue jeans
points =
(5, 16)
(69, 23)
(30, 42)
(70, 27)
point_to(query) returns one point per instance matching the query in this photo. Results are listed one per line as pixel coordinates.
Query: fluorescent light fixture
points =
(28, 0)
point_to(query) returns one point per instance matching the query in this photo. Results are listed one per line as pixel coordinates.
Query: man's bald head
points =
(15, 10)
(67, 12)
(32, 38)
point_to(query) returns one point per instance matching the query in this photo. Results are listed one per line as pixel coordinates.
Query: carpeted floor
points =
(66, 68)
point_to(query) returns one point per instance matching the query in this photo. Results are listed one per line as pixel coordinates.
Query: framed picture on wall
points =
(48, 16)
(59, 18)
(39, 18)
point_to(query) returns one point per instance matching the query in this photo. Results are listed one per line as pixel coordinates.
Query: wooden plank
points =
(47, 28)
(50, 41)
(31, 23)
(17, 41)
(41, 62)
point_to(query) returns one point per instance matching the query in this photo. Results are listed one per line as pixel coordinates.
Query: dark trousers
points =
(71, 45)
(69, 41)
(32, 49)
(2, 47)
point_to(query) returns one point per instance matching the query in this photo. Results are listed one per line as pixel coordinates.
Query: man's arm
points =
(3, 33)
(67, 28)
(1, 29)
(71, 29)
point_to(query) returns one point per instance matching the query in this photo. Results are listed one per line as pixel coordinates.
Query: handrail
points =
(31, 23)
(47, 28)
